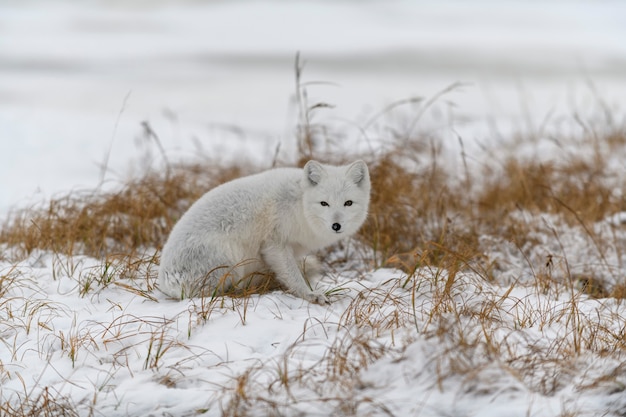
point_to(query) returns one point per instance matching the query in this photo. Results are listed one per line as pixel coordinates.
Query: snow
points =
(78, 78)
(124, 354)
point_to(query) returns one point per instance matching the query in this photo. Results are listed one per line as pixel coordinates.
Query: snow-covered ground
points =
(388, 345)
(77, 79)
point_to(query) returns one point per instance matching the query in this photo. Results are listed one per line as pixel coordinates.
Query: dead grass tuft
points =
(138, 216)
(576, 189)
(45, 403)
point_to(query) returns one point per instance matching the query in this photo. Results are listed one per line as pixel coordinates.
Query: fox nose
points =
(336, 227)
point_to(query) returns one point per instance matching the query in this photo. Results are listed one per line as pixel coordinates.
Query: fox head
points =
(336, 198)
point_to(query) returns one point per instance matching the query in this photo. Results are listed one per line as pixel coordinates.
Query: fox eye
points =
(348, 203)
(324, 204)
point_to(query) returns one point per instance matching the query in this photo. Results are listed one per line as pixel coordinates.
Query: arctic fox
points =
(264, 225)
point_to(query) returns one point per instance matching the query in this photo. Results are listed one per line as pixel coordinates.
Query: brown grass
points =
(138, 216)
(576, 189)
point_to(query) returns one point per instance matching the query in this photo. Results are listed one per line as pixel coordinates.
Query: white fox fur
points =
(246, 229)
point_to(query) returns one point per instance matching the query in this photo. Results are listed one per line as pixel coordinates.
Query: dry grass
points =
(138, 216)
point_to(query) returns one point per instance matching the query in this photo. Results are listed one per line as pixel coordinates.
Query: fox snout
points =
(336, 227)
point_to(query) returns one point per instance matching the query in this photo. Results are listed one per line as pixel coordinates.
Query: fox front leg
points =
(282, 262)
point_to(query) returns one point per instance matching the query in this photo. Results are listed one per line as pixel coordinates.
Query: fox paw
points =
(317, 298)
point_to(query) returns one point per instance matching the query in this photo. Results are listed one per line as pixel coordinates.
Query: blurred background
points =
(216, 78)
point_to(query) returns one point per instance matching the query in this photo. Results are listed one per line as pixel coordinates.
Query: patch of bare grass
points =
(40, 403)
(575, 189)
(138, 216)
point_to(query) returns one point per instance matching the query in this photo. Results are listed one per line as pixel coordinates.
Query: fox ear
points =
(358, 173)
(313, 171)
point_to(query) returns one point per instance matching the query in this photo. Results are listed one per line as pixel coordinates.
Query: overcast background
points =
(78, 78)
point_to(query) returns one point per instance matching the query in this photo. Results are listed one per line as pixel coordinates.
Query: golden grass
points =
(576, 189)
(138, 216)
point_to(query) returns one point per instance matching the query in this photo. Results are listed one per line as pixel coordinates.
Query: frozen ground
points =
(77, 80)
